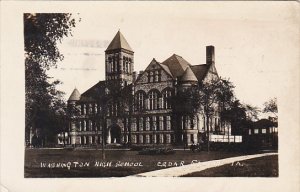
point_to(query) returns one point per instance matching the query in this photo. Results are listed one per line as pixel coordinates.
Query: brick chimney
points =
(210, 55)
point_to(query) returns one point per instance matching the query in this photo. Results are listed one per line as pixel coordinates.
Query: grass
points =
(258, 167)
(34, 158)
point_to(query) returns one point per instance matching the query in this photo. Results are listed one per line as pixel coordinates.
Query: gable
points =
(154, 66)
(211, 74)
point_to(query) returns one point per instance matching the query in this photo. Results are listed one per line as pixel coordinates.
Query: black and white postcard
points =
(126, 96)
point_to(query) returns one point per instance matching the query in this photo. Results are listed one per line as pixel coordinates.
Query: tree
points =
(42, 32)
(251, 112)
(210, 97)
(212, 93)
(271, 106)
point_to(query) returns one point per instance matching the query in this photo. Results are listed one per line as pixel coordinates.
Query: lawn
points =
(258, 167)
(89, 163)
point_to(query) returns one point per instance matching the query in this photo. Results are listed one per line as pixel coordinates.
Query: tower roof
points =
(188, 75)
(119, 42)
(75, 96)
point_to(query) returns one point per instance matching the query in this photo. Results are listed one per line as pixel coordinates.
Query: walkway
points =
(195, 167)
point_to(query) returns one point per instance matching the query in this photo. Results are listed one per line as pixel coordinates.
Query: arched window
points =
(153, 100)
(165, 99)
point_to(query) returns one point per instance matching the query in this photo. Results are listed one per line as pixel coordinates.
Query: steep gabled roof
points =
(176, 64)
(119, 42)
(188, 76)
(166, 69)
(200, 71)
(95, 92)
(75, 95)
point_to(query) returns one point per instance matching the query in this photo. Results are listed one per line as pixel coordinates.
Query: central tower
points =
(119, 61)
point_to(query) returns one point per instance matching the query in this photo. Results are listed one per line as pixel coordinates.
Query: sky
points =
(252, 42)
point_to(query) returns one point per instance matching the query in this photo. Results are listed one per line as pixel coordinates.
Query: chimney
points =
(210, 55)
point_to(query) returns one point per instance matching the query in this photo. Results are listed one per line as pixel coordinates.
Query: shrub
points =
(156, 151)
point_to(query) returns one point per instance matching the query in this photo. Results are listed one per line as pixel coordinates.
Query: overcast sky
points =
(252, 41)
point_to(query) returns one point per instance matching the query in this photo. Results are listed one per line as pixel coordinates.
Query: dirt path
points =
(199, 166)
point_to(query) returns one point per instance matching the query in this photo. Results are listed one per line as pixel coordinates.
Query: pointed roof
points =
(166, 68)
(119, 42)
(200, 71)
(188, 75)
(176, 64)
(75, 96)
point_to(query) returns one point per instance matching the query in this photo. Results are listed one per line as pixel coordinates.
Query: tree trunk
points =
(208, 131)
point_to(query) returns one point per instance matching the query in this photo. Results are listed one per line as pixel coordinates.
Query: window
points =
(255, 131)
(156, 76)
(133, 138)
(83, 109)
(90, 108)
(141, 124)
(84, 125)
(154, 139)
(78, 125)
(151, 77)
(147, 124)
(133, 125)
(154, 123)
(129, 65)
(168, 123)
(263, 131)
(147, 138)
(140, 101)
(249, 131)
(161, 123)
(153, 100)
(165, 99)
(95, 108)
(168, 138)
(141, 139)
(109, 65)
(161, 138)
(124, 63)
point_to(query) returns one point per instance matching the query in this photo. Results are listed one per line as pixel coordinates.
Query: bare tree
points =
(271, 106)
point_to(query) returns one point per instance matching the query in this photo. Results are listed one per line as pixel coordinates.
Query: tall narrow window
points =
(129, 66)
(124, 61)
(151, 77)
(95, 108)
(140, 101)
(147, 123)
(153, 100)
(156, 76)
(165, 99)
(141, 124)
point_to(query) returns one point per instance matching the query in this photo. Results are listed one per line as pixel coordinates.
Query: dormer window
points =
(156, 79)
(151, 77)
